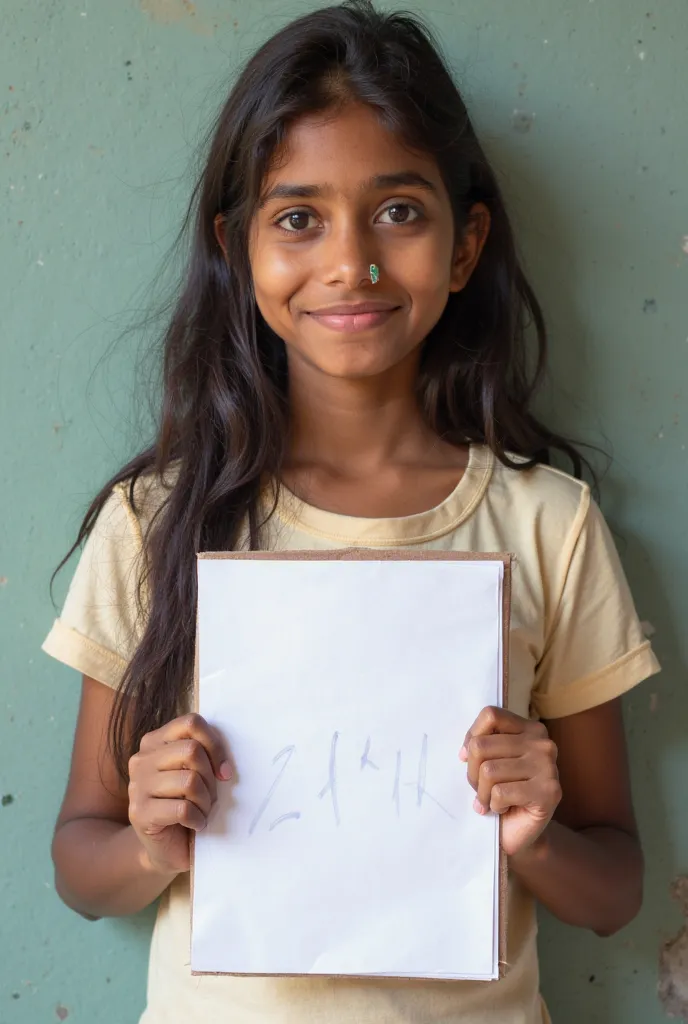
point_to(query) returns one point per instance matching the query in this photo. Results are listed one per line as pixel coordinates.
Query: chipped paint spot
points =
(673, 961)
(654, 702)
(61, 1012)
(522, 121)
(650, 306)
(648, 629)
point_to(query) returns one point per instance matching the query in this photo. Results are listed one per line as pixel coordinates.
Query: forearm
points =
(592, 879)
(102, 870)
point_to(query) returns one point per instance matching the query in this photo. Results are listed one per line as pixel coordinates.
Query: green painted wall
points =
(582, 104)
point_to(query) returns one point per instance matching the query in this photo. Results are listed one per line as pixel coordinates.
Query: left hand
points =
(512, 765)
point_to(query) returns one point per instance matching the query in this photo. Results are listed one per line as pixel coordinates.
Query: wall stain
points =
(522, 121)
(176, 12)
(650, 306)
(61, 1012)
(673, 960)
(7, 800)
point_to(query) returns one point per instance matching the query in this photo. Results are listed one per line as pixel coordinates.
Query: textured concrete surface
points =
(583, 107)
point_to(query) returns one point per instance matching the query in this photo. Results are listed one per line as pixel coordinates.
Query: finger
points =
(187, 754)
(180, 755)
(540, 795)
(192, 726)
(494, 773)
(491, 748)
(499, 720)
(159, 814)
(493, 719)
(187, 785)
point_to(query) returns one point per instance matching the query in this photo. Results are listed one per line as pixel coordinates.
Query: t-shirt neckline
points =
(415, 529)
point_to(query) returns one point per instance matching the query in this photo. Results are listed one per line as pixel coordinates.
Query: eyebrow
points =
(409, 179)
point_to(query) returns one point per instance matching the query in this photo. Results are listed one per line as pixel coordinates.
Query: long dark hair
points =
(224, 413)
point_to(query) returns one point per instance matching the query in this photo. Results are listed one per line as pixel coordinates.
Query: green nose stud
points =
(374, 273)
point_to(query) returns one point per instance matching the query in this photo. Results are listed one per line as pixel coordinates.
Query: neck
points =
(355, 427)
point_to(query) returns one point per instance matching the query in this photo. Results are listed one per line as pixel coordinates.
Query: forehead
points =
(345, 147)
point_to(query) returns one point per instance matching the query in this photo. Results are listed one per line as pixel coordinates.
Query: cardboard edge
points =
(502, 962)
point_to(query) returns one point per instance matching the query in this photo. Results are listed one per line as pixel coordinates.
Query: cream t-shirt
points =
(575, 642)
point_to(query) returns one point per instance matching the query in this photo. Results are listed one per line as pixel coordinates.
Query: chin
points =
(356, 362)
(353, 369)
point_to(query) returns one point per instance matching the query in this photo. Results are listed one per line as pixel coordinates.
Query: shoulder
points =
(133, 506)
(548, 500)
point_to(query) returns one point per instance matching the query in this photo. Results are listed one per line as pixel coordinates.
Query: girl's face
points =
(343, 194)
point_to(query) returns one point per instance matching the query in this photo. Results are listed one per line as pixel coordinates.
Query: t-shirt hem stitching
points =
(70, 636)
(572, 699)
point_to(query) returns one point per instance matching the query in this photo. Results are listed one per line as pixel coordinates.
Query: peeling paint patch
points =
(673, 961)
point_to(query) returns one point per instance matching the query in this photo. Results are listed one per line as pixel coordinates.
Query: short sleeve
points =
(99, 628)
(596, 649)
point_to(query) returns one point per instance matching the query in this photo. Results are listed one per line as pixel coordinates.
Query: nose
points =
(347, 256)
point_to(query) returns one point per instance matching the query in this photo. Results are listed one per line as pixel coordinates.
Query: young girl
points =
(346, 365)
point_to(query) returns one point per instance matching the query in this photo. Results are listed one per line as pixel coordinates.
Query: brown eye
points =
(401, 213)
(294, 222)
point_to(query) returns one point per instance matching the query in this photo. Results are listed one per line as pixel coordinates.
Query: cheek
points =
(425, 273)
(424, 270)
(276, 273)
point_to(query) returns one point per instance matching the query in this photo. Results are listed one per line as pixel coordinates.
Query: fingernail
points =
(225, 771)
(463, 754)
(478, 807)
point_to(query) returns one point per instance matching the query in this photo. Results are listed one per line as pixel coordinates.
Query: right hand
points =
(172, 787)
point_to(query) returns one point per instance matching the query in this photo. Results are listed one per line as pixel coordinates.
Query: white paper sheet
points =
(348, 844)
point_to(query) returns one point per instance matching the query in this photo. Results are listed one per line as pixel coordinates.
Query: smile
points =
(354, 321)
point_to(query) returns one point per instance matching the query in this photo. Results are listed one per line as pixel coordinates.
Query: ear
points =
(469, 249)
(219, 229)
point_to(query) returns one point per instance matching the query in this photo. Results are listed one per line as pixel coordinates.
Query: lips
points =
(353, 308)
(360, 316)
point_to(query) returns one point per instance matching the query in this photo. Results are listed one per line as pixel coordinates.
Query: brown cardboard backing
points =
(386, 555)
